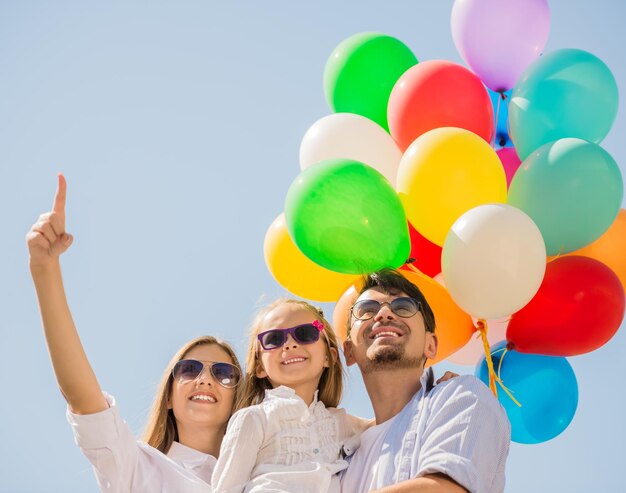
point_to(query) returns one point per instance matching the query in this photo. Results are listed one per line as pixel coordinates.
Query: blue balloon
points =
(545, 386)
(500, 102)
(566, 93)
(572, 190)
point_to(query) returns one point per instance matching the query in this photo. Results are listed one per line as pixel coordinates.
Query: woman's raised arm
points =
(46, 241)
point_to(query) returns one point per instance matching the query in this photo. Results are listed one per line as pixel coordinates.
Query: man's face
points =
(388, 341)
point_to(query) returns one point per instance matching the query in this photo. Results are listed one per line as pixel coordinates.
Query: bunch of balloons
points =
(486, 185)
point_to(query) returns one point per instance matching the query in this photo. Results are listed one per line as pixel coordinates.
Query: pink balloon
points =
(471, 353)
(510, 162)
(499, 39)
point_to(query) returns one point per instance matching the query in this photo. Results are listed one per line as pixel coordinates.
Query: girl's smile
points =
(293, 364)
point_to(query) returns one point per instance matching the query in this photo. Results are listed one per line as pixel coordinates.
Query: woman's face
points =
(203, 401)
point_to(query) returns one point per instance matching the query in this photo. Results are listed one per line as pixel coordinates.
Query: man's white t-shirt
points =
(364, 465)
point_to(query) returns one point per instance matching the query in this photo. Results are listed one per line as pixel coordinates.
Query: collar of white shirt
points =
(287, 392)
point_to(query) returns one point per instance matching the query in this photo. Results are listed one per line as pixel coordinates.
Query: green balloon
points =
(566, 93)
(572, 190)
(361, 73)
(346, 217)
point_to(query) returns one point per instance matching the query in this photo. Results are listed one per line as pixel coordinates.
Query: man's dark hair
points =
(391, 282)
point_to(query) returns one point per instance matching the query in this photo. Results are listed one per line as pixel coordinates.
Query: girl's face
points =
(292, 364)
(202, 401)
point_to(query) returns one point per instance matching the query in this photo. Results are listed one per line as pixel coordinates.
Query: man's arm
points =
(431, 483)
(466, 438)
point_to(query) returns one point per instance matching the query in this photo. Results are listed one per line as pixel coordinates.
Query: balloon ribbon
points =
(508, 392)
(481, 325)
(493, 376)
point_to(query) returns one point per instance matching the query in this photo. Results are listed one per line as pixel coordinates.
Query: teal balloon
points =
(361, 72)
(571, 189)
(346, 217)
(545, 386)
(566, 93)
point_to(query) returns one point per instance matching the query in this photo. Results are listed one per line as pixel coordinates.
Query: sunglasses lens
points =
(187, 369)
(307, 334)
(404, 307)
(273, 339)
(226, 374)
(365, 309)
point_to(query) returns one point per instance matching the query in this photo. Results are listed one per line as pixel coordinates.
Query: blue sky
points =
(177, 125)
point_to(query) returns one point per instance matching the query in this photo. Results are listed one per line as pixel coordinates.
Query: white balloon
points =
(349, 136)
(471, 353)
(493, 260)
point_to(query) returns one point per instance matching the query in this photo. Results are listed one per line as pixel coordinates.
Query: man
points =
(453, 437)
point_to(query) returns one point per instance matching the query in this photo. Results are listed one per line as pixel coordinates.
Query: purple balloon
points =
(498, 39)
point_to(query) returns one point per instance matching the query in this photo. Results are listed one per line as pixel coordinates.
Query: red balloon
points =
(435, 94)
(578, 308)
(427, 254)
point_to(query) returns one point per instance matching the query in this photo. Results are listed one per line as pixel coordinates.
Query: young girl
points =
(191, 409)
(291, 438)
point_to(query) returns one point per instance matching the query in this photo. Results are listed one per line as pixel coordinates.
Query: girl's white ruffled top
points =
(284, 445)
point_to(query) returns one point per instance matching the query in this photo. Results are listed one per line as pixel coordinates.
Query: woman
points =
(192, 407)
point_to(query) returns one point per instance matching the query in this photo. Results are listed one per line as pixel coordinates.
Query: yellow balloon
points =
(295, 272)
(443, 174)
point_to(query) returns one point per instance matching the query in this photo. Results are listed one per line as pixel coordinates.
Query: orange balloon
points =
(610, 247)
(341, 313)
(454, 327)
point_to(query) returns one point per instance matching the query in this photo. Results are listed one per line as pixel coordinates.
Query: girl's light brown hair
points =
(161, 429)
(331, 382)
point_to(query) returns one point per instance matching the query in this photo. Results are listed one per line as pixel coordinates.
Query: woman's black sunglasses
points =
(225, 374)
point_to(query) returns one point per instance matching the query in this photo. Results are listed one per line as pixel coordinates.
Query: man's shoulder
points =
(464, 395)
(465, 388)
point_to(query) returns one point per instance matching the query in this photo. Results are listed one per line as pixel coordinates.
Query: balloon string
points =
(482, 328)
(495, 128)
(413, 268)
(508, 392)
(558, 254)
(508, 123)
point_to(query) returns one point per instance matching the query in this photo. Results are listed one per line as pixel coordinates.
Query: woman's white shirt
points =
(123, 464)
(284, 445)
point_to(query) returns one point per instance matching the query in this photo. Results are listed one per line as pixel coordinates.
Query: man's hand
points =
(447, 376)
(47, 238)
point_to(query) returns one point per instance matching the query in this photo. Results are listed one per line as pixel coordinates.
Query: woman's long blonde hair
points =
(331, 382)
(161, 429)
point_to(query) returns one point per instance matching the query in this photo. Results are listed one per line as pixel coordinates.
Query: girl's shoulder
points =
(253, 412)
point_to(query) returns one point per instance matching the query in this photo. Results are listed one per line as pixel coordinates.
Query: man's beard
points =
(391, 358)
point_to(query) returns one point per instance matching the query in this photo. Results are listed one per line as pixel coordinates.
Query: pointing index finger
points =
(59, 197)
